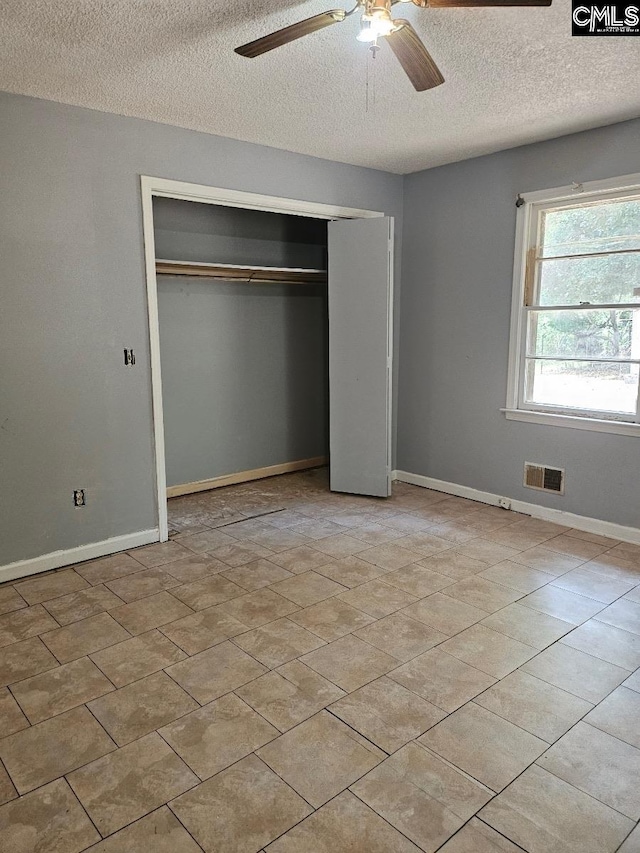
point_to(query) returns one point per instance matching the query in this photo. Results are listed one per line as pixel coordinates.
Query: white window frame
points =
(526, 239)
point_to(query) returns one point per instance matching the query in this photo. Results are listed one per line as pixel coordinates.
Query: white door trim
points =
(166, 188)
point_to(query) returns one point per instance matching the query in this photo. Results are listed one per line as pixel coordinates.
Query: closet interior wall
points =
(244, 365)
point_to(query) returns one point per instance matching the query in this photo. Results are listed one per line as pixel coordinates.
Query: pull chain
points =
(374, 48)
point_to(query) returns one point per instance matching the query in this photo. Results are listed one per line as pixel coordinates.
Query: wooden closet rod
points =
(261, 275)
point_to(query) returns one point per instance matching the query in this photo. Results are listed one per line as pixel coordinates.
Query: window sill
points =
(572, 421)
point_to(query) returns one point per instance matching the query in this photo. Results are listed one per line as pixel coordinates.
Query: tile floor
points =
(302, 672)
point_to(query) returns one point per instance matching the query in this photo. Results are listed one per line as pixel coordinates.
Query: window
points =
(575, 335)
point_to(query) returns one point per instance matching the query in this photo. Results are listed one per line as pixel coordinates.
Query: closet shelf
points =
(243, 274)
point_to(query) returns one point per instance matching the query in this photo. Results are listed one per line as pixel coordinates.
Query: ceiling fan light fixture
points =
(376, 23)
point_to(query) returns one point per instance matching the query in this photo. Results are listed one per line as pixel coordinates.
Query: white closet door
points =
(360, 349)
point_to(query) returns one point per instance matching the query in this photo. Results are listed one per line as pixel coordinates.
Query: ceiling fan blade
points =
(295, 31)
(461, 4)
(414, 57)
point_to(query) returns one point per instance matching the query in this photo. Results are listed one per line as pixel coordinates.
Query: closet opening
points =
(243, 328)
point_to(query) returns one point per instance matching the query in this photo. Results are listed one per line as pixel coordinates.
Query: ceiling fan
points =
(378, 23)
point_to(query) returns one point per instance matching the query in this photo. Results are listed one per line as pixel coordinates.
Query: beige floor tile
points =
(194, 568)
(290, 695)
(349, 662)
(50, 585)
(477, 837)
(387, 714)
(632, 842)
(133, 659)
(377, 598)
(593, 537)
(488, 650)
(592, 585)
(82, 604)
(479, 592)
(331, 619)
(131, 782)
(458, 532)
(573, 547)
(598, 764)
(203, 629)
(7, 791)
(543, 814)
(207, 592)
(10, 600)
(108, 568)
(391, 556)
(206, 541)
(622, 614)
(217, 812)
(544, 560)
(141, 707)
(633, 682)
(148, 613)
(316, 529)
(425, 543)
(281, 540)
(422, 796)
(216, 671)
(218, 735)
(619, 715)
(22, 660)
(607, 643)
(159, 554)
(278, 642)
(41, 753)
(374, 533)
(308, 588)
(236, 554)
(565, 605)
(489, 748)
(527, 625)
(320, 757)
(86, 636)
(142, 584)
(442, 679)
(445, 614)
(344, 824)
(49, 820)
(257, 608)
(517, 538)
(50, 693)
(406, 523)
(540, 708)
(23, 624)
(576, 672)
(516, 576)
(256, 574)
(633, 595)
(400, 636)
(160, 832)
(487, 551)
(11, 717)
(341, 545)
(350, 571)
(302, 559)
(453, 565)
(613, 567)
(418, 580)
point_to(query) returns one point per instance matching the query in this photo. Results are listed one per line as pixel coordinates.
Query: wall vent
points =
(543, 478)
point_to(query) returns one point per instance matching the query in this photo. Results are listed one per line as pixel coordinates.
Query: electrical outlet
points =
(79, 498)
(505, 503)
(129, 358)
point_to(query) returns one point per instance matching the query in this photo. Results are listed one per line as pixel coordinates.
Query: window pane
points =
(593, 333)
(583, 385)
(602, 227)
(608, 279)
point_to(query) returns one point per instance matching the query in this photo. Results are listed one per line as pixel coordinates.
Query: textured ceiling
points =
(512, 76)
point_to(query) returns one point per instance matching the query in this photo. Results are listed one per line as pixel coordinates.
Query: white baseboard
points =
(558, 516)
(57, 559)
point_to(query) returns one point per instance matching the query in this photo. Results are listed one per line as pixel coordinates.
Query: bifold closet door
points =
(360, 349)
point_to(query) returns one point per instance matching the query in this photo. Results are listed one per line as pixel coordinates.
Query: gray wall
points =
(244, 366)
(210, 233)
(456, 298)
(73, 296)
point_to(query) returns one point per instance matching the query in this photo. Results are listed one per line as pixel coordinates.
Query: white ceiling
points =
(512, 75)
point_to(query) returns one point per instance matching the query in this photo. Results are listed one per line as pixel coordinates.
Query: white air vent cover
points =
(543, 478)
